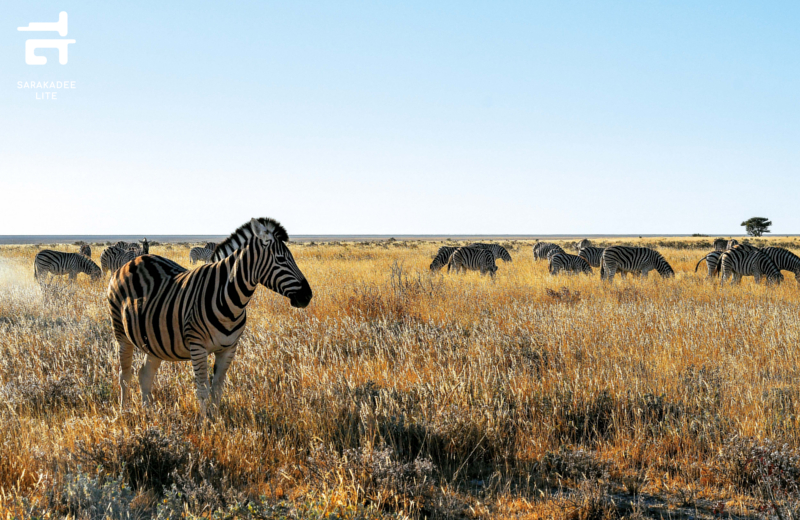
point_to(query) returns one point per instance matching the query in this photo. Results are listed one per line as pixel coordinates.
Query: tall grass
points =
(401, 392)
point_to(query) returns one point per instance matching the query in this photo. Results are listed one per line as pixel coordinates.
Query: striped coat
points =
(472, 259)
(85, 250)
(636, 260)
(442, 257)
(173, 314)
(592, 255)
(112, 258)
(785, 260)
(200, 253)
(720, 244)
(712, 259)
(57, 263)
(542, 249)
(739, 262)
(569, 263)
(497, 250)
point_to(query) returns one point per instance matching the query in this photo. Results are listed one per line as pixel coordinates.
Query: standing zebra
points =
(569, 263)
(592, 255)
(542, 249)
(712, 259)
(442, 257)
(732, 242)
(583, 244)
(472, 259)
(720, 244)
(210, 245)
(636, 260)
(85, 250)
(497, 250)
(142, 245)
(200, 253)
(785, 260)
(173, 314)
(56, 263)
(112, 258)
(739, 262)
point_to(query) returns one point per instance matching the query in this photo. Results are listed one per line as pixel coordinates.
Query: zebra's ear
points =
(261, 231)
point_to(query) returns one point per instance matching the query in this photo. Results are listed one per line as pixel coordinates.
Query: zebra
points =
(785, 260)
(637, 260)
(583, 244)
(143, 245)
(732, 242)
(738, 262)
(173, 314)
(497, 250)
(85, 250)
(569, 263)
(200, 253)
(112, 258)
(712, 259)
(56, 263)
(442, 257)
(472, 259)
(210, 245)
(542, 249)
(720, 244)
(592, 255)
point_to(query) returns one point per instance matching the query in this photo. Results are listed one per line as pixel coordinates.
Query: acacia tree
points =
(757, 226)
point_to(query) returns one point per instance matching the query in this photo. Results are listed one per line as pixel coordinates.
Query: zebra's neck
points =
(238, 282)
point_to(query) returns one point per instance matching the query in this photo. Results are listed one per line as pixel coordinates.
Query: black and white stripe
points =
(542, 249)
(583, 244)
(569, 263)
(112, 258)
(785, 260)
(472, 259)
(738, 262)
(442, 257)
(85, 250)
(636, 260)
(497, 250)
(592, 255)
(173, 314)
(57, 263)
(203, 254)
(712, 259)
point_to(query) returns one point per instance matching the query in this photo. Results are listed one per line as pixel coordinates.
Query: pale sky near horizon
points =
(637, 117)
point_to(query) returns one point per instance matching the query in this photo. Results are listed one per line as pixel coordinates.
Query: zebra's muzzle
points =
(302, 297)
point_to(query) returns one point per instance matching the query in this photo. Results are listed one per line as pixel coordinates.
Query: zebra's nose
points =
(302, 297)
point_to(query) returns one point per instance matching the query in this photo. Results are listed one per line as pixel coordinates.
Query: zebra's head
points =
(274, 266)
(93, 270)
(145, 246)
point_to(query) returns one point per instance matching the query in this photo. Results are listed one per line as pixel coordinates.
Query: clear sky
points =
(403, 117)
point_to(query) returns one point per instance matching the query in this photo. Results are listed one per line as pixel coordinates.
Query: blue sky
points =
(421, 117)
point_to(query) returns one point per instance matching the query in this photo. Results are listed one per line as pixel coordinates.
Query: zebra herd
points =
(474, 257)
(202, 253)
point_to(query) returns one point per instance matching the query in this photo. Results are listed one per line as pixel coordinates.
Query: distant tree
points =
(757, 226)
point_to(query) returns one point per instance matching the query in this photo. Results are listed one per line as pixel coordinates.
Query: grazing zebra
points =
(592, 255)
(442, 257)
(200, 253)
(143, 245)
(210, 245)
(712, 259)
(472, 259)
(569, 263)
(497, 250)
(739, 262)
(542, 249)
(173, 314)
(85, 250)
(583, 244)
(636, 260)
(720, 244)
(56, 263)
(112, 258)
(785, 260)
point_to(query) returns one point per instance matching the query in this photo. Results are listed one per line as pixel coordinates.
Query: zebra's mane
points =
(243, 233)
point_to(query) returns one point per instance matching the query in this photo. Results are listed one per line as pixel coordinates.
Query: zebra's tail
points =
(700, 262)
(715, 272)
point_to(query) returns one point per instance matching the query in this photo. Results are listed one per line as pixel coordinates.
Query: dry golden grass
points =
(398, 391)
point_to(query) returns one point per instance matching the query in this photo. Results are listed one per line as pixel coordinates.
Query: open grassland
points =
(398, 392)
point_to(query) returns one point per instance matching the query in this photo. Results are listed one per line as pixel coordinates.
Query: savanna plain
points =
(402, 393)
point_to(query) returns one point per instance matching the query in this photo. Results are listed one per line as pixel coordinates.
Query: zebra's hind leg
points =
(147, 375)
(222, 360)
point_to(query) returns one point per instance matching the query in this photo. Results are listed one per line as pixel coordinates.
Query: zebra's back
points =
(497, 250)
(636, 260)
(472, 259)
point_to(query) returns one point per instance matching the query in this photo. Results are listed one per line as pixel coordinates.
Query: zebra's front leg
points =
(147, 375)
(200, 366)
(125, 371)
(222, 360)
